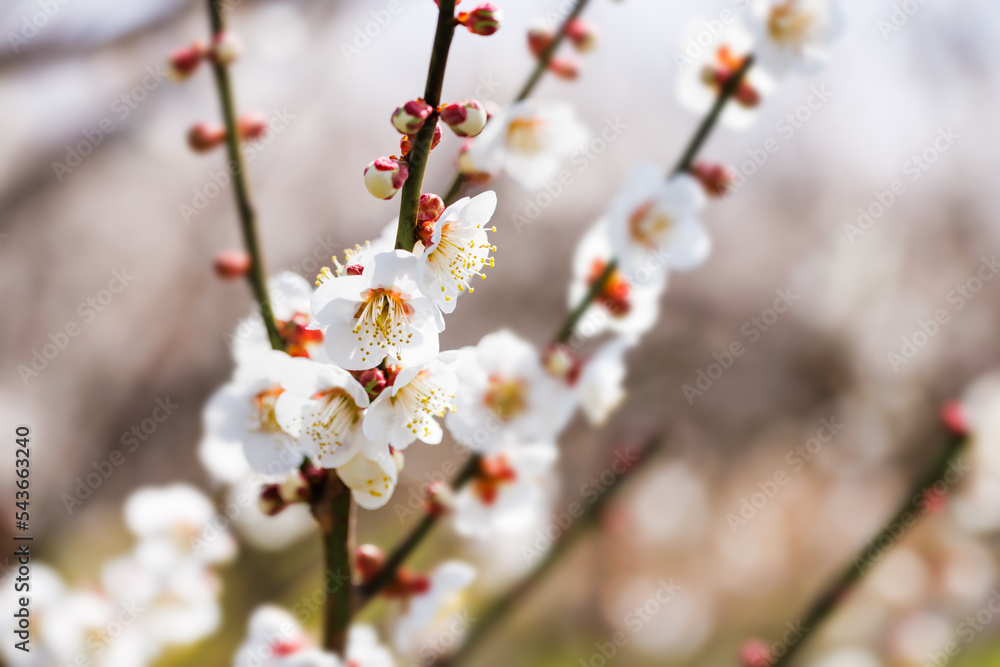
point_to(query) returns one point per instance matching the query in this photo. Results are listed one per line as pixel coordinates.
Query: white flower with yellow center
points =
(505, 395)
(179, 519)
(323, 408)
(458, 250)
(795, 34)
(377, 314)
(653, 224)
(240, 416)
(407, 410)
(528, 140)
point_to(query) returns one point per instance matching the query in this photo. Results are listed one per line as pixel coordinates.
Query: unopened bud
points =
(270, 501)
(385, 176)
(231, 264)
(565, 68)
(226, 48)
(755, 653)
(483, 20)
(440, 498)
(410, 117)
(430, 208)
(582, 34)
(562, 362)
(540, 37)
(954, 416)
(466, 118)
(203, 137)
(184, 61)
(252, 126)
(355, 270)
(373, 380)
(369, 560)
(716, 179)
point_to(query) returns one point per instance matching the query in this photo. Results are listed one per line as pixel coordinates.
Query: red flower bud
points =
(582, 34)
(385, 176)
(565, 68)
(184, 61)
(715, 178)
(203, 137)
(410, 117)
(369, 560)
(755, 653)
(483, 20)
(230, 264)
(252, 126)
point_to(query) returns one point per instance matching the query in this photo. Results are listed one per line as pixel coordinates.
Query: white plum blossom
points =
(626, 307)
(371, 481)
(275, 639)
(601, 384)
(508, 491)
(240, 415)
(795, 35)
(290, 296)
(505, 395)
(528, 140)
(422, 610)
(458, 250)
(323, 407)
(703, 77)
(653, 223)
(176, 517)
(377, 314)
(405, 411)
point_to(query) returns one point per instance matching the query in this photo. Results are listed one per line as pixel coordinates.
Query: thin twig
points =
(529, 86)
(406, 232)
(906, 516)
(257, 276)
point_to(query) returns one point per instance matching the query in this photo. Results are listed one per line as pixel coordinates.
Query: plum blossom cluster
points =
(164, 593)
(784, 36)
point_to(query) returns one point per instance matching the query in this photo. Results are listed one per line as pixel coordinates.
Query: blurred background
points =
(93, 76)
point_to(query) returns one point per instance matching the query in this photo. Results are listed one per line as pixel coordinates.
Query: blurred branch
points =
(417, 159)
(529, 86)
(906, 516)
(257, 275)
(496, 612)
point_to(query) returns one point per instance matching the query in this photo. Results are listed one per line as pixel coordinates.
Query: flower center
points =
(506, 397)
(332, 418)
(382, 321)
(459, 258)
(263, 419)
(615, 294)
(648, 224)
(494, 473)
(297, 336)
(524, 135)
(788, 25)
(422, 399)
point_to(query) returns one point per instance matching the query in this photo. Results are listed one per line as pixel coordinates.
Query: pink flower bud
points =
(410, 117)
(385, 176)
(355, 270)
(483, 20)
(203, 137)
(440, 498)
(231, 264)
(466, 118)
(252, 126)
(430, 208)
(369, 560)
(582, 34)
(373, 380)
(755, 653)
(540, 37)
(565, 68)
(226, 48)
(955, 418)
(715, 178)
(184, 61)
